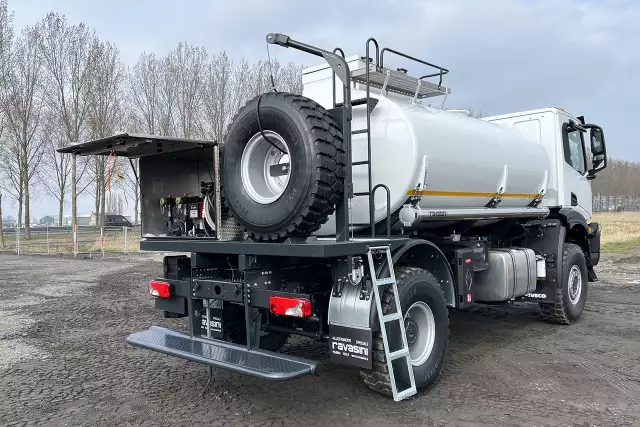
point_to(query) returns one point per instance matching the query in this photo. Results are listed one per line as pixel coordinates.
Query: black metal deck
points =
(258, 363)
(309, 248)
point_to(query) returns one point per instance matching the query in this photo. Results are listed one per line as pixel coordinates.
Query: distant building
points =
(83, 219)
(47, 221)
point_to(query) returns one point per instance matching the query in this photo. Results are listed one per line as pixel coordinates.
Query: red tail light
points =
(159, 289)
(287, 306)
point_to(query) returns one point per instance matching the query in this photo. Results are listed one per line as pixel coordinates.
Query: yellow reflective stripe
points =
(436, 193)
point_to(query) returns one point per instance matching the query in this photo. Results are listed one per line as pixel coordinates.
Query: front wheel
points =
(571, 291)
(426, 321)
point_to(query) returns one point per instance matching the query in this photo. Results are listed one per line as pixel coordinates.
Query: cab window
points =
(574, 153)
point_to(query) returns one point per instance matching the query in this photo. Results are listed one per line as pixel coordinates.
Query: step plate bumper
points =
(232, 357)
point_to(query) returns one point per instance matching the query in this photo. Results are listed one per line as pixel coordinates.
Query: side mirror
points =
(598, 149)
(597, 141)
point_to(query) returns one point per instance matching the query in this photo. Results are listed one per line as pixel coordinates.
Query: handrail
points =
(333, 76)
(370, 183)
(371, 203)
(442, 72)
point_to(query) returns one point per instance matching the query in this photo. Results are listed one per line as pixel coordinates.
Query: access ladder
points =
(401, 354)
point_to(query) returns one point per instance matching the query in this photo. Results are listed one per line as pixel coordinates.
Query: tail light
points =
(287, 306)
(159, 289)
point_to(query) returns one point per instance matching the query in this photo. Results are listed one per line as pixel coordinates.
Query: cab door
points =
(577, 188)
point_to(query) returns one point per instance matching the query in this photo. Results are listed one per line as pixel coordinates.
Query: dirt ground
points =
(64, 361)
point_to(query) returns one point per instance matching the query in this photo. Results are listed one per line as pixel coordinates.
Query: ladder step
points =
(359, 131)
(364, 193)
(398, 354)
(354, 102)
(391, 317)
(385, 281)
(405, 393)
(360, 162)
(359, 101)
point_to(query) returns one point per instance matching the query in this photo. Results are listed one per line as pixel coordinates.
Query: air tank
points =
(451, 160)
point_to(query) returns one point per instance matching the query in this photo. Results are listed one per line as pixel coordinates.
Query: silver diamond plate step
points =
(233, 357)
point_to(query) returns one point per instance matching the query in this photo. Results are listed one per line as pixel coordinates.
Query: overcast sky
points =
(504, 55)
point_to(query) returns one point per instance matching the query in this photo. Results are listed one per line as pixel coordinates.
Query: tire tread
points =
(327, 188)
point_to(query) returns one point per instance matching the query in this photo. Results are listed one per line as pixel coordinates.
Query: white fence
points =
(68, 240)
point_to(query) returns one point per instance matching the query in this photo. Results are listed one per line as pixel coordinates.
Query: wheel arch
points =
(426, 255)
(579, 232)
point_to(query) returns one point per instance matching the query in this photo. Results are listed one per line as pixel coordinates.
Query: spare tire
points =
(283, 171)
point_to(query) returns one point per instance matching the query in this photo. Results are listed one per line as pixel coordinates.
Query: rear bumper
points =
(221, 354)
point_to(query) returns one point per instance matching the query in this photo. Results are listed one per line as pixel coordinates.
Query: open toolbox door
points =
(169, 167)
(135, 145)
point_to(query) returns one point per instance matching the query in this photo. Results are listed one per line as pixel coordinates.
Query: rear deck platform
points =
(305, 248)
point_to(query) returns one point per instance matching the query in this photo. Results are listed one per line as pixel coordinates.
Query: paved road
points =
(63, 361)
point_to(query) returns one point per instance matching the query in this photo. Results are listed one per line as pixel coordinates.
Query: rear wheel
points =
(426, 321)
(571, 291)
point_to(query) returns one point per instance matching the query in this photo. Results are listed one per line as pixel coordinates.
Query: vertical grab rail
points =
(371, 190)
(373, 231)
(333, 76)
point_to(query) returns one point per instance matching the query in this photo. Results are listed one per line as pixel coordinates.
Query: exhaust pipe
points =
(410, 215)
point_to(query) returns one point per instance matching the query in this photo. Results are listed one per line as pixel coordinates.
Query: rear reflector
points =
(159, 289)
(286, 306)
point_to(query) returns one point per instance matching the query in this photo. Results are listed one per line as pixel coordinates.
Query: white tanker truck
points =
(357, 215)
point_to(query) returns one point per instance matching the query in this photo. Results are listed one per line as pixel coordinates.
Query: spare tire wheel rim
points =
(265, 167)
(575, 284)
(420, 327)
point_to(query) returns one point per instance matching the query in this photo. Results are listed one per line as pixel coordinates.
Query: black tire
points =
(563, 310)
(317, 166)
(414, 284)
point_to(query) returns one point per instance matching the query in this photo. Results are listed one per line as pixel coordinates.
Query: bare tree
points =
(188, 64)
(115, 205)
(144, 92)
(131, 188)
(6, 37)
(167, 97)
(67, 54)
(11, 181)
(217, 97)
(153, 93)
(105, 111)
(1, 225)
(55, 173)
(21, 103)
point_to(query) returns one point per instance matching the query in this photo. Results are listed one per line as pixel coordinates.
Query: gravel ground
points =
(63, 361)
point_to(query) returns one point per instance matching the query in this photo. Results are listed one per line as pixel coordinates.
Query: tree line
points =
(617, 187)
(60, 84)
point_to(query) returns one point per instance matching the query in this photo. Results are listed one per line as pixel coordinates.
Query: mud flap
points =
(351, 346)
(547, 237)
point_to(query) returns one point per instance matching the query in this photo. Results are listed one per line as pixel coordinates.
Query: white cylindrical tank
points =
(450, 159)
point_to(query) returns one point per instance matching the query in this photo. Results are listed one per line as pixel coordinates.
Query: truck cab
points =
(574, 163)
